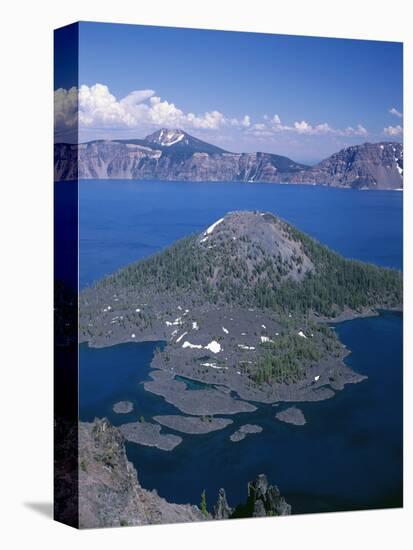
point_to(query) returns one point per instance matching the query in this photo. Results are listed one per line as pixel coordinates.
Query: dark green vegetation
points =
(243, 272)
(254, 287)
(339, 282)
(203, 505)
(284, 359)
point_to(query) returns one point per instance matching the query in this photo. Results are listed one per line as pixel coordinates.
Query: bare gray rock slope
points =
(167, 155)
(371, 166)
(110, 494)
(109, 491)
(175, 155)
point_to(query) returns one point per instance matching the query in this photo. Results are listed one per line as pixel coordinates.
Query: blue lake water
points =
(349, 454)
(122, 221)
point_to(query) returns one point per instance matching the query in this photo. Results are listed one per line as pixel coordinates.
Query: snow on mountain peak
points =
(166, 137)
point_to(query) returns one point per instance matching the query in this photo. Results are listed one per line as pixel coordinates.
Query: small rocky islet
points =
(292, 415)
(123, 407)
(245, 430)
(149, 434)
(193, 424)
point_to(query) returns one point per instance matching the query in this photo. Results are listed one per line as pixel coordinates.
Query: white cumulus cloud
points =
(395, 112)
(393, 130)
(99, 108)
(96, 108)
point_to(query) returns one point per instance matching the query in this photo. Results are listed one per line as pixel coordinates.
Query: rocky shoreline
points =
(200, 402)
(231, 310)
(228, 390)
(110, 494)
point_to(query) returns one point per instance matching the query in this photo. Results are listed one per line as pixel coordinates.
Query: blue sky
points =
(298, 96)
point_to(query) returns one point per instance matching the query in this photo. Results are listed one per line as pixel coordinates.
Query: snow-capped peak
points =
(166, 137)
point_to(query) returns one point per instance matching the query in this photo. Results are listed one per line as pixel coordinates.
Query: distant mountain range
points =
(175, 155)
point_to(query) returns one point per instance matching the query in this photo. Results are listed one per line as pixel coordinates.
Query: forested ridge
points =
(255, 278)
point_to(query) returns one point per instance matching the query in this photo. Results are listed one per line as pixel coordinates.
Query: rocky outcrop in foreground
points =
(110, 494)
(263, 500)
(175, 155)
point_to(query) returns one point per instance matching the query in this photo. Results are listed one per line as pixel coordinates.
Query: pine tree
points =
(203, 504)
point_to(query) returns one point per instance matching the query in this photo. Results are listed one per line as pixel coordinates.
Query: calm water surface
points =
(349, 454)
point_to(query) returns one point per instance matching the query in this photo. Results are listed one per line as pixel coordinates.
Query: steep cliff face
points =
(176, 156)
(167, 155)
(109, 491)
(134, 161)
(110, 494)
(371, 165)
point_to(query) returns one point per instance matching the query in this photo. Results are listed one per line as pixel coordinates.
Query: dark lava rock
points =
(222, 510)
(109, 491)
(263, 500)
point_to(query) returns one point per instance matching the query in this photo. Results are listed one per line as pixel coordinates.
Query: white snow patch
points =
(213, 226)
(317, 378)
(179, 138)
(195, 325)
(133, 335)
(301, 333)
(137, 310)
(180, 308)
(242, 346)
(225, 330)
(187, 344)
(381, 146)
(214, 346)
(265, 339)
(212, 365)
(180, 338)
(264, 327)
(177, 321)
(203, 240)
